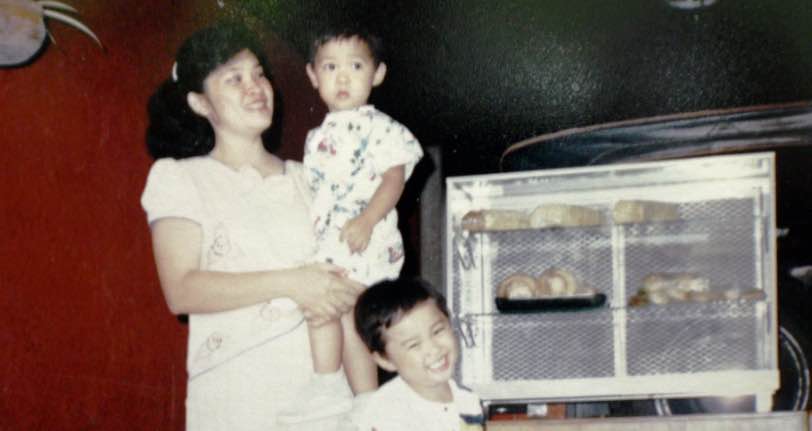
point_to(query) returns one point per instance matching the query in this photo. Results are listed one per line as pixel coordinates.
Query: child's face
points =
(422, 349)
(344, 73)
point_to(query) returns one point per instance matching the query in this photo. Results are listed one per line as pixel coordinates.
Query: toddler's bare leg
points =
(325, 347)
(361, 370)
(327, 393)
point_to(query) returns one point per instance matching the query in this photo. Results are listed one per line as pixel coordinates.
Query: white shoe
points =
(326, 395)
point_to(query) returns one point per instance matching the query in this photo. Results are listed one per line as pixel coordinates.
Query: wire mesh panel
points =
(713, 239)
(693, 338)
(552, 346)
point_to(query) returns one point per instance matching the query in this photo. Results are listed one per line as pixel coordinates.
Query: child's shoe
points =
(326, 395)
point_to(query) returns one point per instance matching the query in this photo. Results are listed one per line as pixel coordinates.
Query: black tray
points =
(569, 303)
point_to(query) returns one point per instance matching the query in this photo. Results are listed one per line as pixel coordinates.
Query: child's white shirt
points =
(395, 406)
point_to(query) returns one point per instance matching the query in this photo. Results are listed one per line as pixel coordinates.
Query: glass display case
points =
(642, 280)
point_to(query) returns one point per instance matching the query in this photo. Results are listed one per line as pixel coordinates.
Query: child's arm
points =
(357, 231)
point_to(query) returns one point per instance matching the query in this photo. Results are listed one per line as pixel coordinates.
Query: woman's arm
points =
(319, 289)
(357, 231)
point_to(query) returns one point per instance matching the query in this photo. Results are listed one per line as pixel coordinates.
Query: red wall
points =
(87, 341)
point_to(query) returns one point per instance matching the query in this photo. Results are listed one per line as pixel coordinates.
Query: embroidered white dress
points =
(243, 364)
(395, 406)
(344, 159)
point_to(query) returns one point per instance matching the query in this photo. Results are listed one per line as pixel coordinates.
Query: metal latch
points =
(468, 331)
(463, 249)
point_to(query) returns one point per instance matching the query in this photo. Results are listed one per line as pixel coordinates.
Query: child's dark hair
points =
(174, 129)
(385, 303)
(374, 43)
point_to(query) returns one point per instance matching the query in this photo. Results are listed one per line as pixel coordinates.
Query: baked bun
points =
(518, 286)
(557, 282)
(669, 287)
(681, 281)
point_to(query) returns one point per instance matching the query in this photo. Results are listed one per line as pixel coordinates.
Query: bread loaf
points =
(639, 211)
(494, 220)
(518, 286)
(553, 215)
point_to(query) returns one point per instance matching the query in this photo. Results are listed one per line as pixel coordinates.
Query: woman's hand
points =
(324, 293)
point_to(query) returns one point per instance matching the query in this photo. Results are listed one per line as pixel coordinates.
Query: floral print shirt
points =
(344, 160)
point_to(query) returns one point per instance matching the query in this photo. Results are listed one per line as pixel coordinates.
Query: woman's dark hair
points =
(174, 129)
(383, 304)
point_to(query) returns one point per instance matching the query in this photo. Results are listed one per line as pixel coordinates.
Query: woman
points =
(231, 235)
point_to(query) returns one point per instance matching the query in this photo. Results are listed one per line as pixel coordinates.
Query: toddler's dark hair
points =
(174, 129)
(374, 43)
(385, 303)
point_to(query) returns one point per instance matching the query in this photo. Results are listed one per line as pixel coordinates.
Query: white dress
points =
(242, 364)
(344, 159)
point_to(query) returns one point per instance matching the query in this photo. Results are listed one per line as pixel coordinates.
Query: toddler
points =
(356, 164)
(405, 324)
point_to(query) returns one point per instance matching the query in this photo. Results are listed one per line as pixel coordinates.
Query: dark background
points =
(476, 76)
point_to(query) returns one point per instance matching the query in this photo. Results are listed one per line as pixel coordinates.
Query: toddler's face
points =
(344, 73)
(422, 348)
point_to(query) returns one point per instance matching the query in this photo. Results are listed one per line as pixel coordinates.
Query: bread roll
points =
(665, 287)
(680, 281)
(518, 286)
(494, 220)
(638, 211)
(557, 282)
(705, 296)
(553, 215)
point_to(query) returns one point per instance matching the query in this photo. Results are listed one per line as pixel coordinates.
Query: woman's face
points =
(237, 97)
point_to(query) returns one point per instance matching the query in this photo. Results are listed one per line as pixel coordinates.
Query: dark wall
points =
(475, 76)
(512, 70)
(88, 342)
